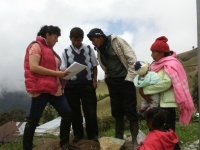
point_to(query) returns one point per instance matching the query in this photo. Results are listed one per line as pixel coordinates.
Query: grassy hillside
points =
(103, 108)
(101, 88)
(189, 61)
(185, 56)
(192, 61)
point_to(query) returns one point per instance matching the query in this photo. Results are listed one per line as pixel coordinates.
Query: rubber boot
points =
(65, 127)
(29, 133)
(119, 128)
(134, 127)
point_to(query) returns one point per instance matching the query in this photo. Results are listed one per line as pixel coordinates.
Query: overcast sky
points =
(139, 22)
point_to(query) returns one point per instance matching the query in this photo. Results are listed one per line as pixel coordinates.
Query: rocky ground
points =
(53, 144)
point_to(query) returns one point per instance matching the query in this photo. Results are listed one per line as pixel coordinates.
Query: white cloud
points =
(139, 22)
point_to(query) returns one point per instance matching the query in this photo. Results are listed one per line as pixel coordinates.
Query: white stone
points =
(110, 143)
(196, 142)
(185, 148)
(191, 146)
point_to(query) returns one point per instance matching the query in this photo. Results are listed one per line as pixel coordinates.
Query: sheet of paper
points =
(74, 68)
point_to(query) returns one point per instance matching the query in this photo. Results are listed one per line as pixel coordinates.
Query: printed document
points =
(74, 69)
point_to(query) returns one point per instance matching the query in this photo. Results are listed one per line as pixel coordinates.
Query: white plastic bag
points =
(140, 137)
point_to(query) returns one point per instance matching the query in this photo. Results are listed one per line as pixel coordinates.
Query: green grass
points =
(13, 145)
(185, 134)
(18, 144)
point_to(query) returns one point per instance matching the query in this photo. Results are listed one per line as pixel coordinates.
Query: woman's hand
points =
(62, 74)
(64, 82)
(146, 97)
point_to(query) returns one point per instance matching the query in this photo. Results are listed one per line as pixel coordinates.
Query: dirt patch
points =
(84, 144)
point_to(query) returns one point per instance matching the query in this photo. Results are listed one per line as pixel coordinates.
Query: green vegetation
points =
(186, 135)
(12, 146)
(106, 128)
(49, 114)
(195, 94)
(14, 115)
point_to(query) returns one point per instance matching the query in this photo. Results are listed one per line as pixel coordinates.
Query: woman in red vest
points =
(43, 81)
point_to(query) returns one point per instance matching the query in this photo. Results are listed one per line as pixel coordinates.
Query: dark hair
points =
(76, 32)
(158, 117)
(49, 29)
(168, 54)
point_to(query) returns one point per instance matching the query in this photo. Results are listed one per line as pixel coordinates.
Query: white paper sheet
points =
(74, 68)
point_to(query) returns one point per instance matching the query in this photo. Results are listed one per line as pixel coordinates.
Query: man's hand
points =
(95, 84)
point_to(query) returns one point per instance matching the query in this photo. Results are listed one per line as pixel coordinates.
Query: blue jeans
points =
(38, 104)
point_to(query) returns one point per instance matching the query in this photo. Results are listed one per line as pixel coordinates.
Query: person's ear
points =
(162, 53)
(149, 124)
(47, 35)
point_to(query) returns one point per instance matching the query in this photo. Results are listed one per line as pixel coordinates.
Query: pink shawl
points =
(178, 76)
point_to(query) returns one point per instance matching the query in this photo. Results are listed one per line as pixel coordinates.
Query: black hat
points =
(95, 33)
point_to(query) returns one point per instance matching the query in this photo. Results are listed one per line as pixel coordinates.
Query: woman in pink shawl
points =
(173, 87)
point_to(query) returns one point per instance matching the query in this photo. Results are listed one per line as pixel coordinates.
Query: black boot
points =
(65, 127)
(134, 127)
(69, 147)
(29, 133)
(119, 128)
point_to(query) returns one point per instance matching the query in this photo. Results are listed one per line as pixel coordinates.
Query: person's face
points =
(76, 42)
(157, 55)
(51, 39)
(97, 41)
(149, 125)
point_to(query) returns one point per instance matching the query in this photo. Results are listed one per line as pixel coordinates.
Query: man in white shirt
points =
(81, 88)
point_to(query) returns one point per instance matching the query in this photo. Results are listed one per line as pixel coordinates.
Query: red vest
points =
(41, 83)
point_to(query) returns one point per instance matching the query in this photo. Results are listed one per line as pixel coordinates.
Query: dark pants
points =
(37, 107)
(123, 98)
(171, 117)
(171, 121)
(85, 95)
(38, 104)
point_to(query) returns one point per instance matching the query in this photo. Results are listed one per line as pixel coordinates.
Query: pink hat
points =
(160, 45)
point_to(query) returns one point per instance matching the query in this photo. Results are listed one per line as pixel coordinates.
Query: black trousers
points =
(171, 121)
(84, 95)
(123, 98)
(171, 117)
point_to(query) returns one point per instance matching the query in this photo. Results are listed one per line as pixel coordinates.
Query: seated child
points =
(144, 78)
(160, 137)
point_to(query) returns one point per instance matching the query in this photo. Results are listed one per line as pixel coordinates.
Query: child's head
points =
(156, 118)
(141, 67)
(76, 37)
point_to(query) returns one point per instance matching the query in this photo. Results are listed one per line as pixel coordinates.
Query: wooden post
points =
(198, 46)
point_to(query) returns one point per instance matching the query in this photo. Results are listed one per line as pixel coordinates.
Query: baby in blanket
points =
(144, 78)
